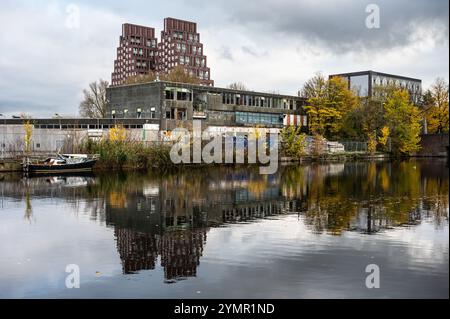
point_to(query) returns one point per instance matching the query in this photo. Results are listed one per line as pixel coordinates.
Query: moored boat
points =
(62, 163)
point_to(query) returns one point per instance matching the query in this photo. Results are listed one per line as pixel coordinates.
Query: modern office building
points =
(172, 104)
(136, 53)
(139, 51)
(366, 83)
(180, 44)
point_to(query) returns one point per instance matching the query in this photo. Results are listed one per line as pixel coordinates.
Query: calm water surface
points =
(308, 231)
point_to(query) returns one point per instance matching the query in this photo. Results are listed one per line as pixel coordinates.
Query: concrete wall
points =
(434, 145)
(132, 97)
(12, 139)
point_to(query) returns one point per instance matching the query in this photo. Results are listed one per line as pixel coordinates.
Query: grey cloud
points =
(225, 53)
(249, 50)
(339, 25)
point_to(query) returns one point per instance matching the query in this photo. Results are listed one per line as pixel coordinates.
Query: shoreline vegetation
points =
(133, 155)
(118, 151)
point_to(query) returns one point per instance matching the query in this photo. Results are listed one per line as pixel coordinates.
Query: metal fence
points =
(354, 146)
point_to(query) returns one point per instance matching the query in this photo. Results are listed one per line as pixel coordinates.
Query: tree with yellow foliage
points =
(117, 134)
(437, 109)
(28, 128)
(293, 141)
(404, 122)
(384, 137)
(328, 103)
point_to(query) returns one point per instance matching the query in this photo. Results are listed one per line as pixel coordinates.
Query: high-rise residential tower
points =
(139, 51)
(136, 53)
(180, 44)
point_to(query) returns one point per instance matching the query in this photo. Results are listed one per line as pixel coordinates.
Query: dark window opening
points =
(183, 96)
(169, 95)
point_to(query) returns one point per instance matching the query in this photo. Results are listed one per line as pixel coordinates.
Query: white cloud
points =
(44, 65)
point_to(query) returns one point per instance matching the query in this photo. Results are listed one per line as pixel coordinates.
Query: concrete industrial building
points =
(174, 104)
(140, 53)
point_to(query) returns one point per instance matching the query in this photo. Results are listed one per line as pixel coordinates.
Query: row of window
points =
(82, 126)
(200, 62)
(258, 118)
(250, 100)
(151, 43)
(138, 113)
(170, 94)
(178, 35)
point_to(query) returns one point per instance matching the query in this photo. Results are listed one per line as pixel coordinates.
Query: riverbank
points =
(132, 155)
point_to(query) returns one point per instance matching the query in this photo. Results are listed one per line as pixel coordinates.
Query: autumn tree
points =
(404, 122)
(437, 109)
(328, 104)
(141, 78)
(293, 141)
(343, 100)
(179, 74)
(315, 90)
(94, 101)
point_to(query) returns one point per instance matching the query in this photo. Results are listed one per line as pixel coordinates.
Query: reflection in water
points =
(166, 218)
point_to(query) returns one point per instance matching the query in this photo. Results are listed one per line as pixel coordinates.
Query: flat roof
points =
(207, 88)
(376, 73)
(79, 121)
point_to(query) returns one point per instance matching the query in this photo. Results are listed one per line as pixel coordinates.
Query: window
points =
(183, 96)
(170, 114)
(152, 112)
(169, 94)
(181, 115)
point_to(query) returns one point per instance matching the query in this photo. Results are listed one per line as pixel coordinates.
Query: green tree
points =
(403, 120)
(294, 141)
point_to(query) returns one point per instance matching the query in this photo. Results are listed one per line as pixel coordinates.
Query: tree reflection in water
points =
(167, 216)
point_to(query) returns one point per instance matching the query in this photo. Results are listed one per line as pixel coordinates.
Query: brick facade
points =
(139, 51)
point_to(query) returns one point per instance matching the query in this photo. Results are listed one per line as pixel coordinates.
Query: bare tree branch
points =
(94, 101)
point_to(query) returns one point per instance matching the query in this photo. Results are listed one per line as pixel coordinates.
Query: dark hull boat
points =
(65, 163)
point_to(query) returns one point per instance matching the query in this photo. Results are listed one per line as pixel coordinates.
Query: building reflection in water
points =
(165, 219)
(169, 218)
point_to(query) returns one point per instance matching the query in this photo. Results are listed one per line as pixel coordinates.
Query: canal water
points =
(309, 231)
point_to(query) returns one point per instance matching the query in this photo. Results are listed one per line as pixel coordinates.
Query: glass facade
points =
(373, 84)
(360, 85)
(259, 118)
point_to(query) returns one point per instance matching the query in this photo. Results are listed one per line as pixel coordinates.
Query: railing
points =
(354, 146)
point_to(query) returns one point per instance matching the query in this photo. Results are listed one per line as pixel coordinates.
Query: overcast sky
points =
(47, 56)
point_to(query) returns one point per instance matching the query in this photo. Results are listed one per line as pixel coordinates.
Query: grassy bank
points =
(128, 154)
